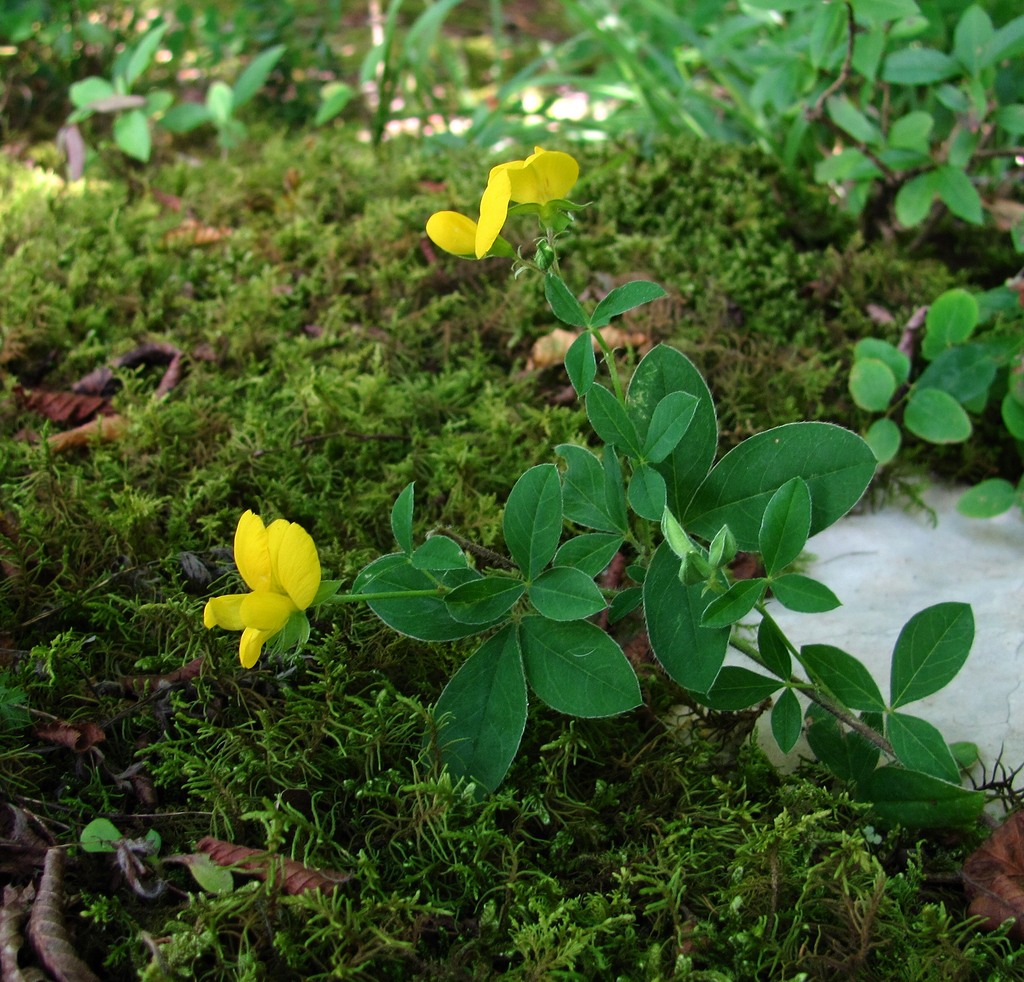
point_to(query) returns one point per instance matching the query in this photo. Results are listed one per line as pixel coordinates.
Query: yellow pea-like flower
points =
(280, 565)
(543, 177)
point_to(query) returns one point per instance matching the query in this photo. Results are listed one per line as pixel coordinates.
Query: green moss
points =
(331, 357)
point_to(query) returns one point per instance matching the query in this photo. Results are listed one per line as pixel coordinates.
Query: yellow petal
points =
(266, 611)
(547, 175)
(225, 612)
(251, 645)
(251, 554)
(493, 210)
(275, 535)
(452, 232)
(295, 564)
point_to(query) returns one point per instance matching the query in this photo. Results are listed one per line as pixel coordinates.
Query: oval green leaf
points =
(787, 721)
(576, 668)
(739, 688)
(803, 594)
(987, 499)
(843, 675)
(919, 746)
(581, 364)
(734, 604)
(936, 416)
(566, 594)
(786, 523)
(884, 439)
(902, 797)
(481, 714)
(930, 650)
(532, 522)
(872, 384)
(483, 601)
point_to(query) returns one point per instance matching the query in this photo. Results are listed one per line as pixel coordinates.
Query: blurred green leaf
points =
(936, 416)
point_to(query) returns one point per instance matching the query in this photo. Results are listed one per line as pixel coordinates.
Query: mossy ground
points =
(331, 359)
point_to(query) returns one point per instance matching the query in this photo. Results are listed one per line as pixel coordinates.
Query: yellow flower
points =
(545, 176)
(280, 565)
(452, 232)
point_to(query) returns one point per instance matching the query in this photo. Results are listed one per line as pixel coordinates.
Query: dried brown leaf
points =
(993, 877)
(295, 877)
(62, 407)
(12, 916)
(143, 685)
(78, 737)
(193, 233)
(551, 349)
(24, 841)
(46, 928)
(100, 428)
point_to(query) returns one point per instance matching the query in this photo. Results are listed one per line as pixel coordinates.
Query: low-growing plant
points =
(135, 115)
(933, 388)
(906, 110)
(649, 495)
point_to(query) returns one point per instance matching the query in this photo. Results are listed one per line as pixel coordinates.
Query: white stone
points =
(886, 565)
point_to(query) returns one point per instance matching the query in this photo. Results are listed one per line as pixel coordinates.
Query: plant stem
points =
(344, 598)
(819, 698)
(609, 360)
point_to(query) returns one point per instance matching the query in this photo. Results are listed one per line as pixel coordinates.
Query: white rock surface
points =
(886, 565)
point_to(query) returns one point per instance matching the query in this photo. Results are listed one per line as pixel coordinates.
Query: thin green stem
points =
(609, 360)
(345, 598)
(818, 697)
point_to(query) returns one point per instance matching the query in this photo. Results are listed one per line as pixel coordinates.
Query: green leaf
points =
(581, 363)
(577, 668)
(931, 649)
(843, 675)
(484, 601)
(971, 38)
(987, 499)
(1010, 118)
(1013, 415)
(965, 372)
(614, 489)
(623, 298)
(646, 493)
(872, 384)
(664, 370)
(965, 753)
(566, 594)
(424, 618)
(836, 464)
(919, 66)
(803, 594)
(884, 439)
(100, 835)
(131, 134)
(142, 54)
(772, 647)
(959, 194)
(219, 102)
(611, 423)
(734, 604)
(184, 117)
(585, 498)
(902, 797)
(739, 688)
(401, 518)
(563, 304)
(936, 416)
(847, 165)
(89, 90)
(439, 552)
(787, 720)
(624, 602)
(951, 320)
(849, 118)
(784, 528)
(532, 522)
(912, 131)
(1007, 42)
(208, 875)
(255, 74)
(690, 653)
(334, 97)
(896, 360)
(591, 552)
(877, 11)
(919, 746)
(914, 199)
(670, 421)
(481, 714)
(847, 754)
